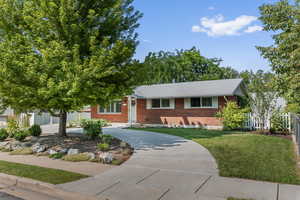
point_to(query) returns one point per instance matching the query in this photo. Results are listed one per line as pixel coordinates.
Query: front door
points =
(131, 110)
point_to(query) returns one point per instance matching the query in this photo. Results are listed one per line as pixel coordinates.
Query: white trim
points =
(109, 113)
(171, 104)
(215, 103)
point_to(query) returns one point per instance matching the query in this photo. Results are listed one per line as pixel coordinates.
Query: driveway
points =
(162, 167)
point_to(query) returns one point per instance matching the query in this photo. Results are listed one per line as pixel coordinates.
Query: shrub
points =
(103, 146)
(35, 130)
(232, 116)
(92, 128)
(20, 135)
(12, 126)
(3, 134)
(117, 162)
(77, 157)
(24, 151)
(106, 139)
(57, 155)
(278, 123)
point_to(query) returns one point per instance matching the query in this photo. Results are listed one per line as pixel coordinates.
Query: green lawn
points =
(53, 176)
(245, 155)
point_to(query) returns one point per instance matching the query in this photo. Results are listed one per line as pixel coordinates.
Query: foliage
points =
(57, 155)
(103, 147)
(232, 116)
(59, 56)
(23, 151)
(184, 65)
(262, 95)
(106, 139)
(245, 155)
(53, 176)
(3, 134)
(20, 135)
(278, 123)
(12, 126)
(35, 130)
(117, 162)
(77, 157)
(92, 127)
(283, 19)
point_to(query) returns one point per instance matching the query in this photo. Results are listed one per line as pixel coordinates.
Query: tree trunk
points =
(62, 131)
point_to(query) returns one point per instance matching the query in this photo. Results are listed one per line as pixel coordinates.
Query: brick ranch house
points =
(188, 104)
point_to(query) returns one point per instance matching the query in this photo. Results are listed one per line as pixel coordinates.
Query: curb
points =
(42, 188)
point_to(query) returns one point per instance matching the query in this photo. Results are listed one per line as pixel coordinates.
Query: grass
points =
(47, 175)
(24, 151)
(244, 155)
(77, 157)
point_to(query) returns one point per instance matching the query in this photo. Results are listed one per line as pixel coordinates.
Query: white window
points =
(160, 103)
(114, 107)
(201, 102)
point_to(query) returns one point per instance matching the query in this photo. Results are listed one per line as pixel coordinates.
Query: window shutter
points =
(187, 103)
(149, 104)
(172, 103)
(215, 102)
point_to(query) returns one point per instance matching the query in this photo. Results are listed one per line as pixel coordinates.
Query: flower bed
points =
(75, 148)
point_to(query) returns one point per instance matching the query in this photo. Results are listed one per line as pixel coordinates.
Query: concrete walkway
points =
(167, 167)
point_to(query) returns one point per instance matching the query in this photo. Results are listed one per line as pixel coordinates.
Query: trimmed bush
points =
(92, 128)
(57, 155)
(3, 134)
(24, 151)
(12, 126)
(35, 130)
(77, 157)
(103, 147)
(278, 125)
(232, 116)
(20, 135)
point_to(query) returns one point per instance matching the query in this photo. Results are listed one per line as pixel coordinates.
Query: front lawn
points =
(245, 155)
(48, 175)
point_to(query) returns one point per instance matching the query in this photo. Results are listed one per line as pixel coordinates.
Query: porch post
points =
(129, 103)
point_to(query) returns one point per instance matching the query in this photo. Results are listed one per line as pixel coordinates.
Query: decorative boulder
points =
(73, 151)
(106, 157)
(38, 148)
(91, 155)
(64, 151)
(51, 152)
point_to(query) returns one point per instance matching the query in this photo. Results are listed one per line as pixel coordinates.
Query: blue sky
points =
(226, 29)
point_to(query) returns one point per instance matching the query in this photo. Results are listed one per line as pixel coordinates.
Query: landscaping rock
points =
(91, 155)
(51, 152)
(64, 151)
(73, 151)
(38, 148)
(106, 158)
(123, 144)
(3, 144)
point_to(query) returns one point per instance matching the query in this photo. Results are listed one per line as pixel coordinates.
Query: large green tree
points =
(184, 65)
(283, 19)
(60, 55)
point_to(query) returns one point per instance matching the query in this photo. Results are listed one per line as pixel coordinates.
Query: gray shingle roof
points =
(225, 87)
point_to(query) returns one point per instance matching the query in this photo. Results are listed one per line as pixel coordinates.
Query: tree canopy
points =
(60, 55)
(283, 19)
(184, 65)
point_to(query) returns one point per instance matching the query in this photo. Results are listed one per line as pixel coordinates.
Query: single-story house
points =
(188, 104)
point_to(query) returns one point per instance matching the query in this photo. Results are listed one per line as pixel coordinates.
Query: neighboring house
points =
(188, 104)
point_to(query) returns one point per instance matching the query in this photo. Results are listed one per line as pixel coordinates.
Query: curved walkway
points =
(162, 167)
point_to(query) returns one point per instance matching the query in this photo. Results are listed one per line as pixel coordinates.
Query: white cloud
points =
(252, 29)
(217, 26)
(211, 8)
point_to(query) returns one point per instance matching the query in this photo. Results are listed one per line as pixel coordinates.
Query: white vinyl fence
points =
(46, 118)
(254, 123)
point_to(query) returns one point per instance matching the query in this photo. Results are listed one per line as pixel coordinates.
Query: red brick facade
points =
(118, 117)
(179, 115)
